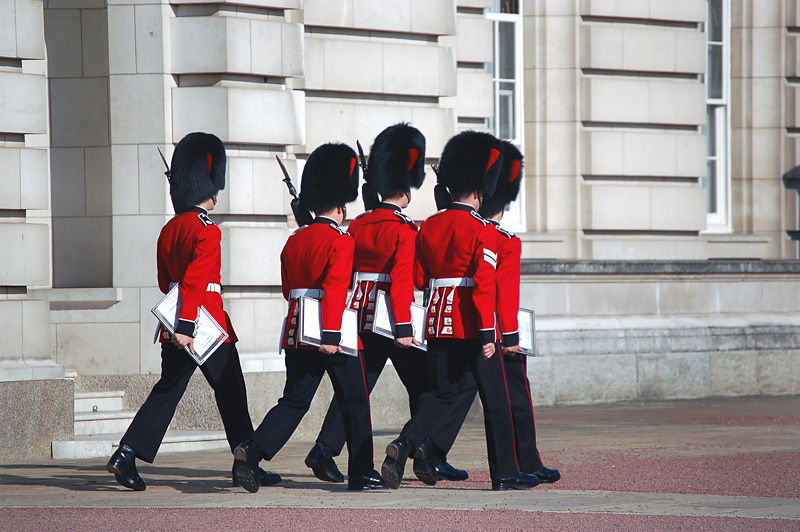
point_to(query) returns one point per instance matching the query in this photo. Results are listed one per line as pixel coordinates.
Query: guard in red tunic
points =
(509, 253)
(384, 258)
(317, 262)
(456, 258)
(188, 254)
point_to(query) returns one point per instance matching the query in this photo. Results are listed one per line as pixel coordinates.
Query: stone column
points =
(37, 399)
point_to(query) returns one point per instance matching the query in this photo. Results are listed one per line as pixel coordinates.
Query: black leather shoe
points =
(123, 465)
(424, 467)
(246, 457)
(547, 475)
(368, 481)
(265, 478)
(394, 465)
(517, 481)
(445, 471)
(320, 460)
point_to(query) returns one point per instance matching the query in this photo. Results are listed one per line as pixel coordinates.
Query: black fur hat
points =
(198, 170)
(471, 162)
(397, 160)
(330, 178)
(508, 183)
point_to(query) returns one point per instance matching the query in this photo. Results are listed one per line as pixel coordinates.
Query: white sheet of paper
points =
(310, 330)
(527, 331)
(209, 335)
(384, 321)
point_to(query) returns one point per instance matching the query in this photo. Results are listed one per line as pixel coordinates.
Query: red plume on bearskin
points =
(198, 170)
(470, 162)
(330, 178)
(396, 160)
(508, 184)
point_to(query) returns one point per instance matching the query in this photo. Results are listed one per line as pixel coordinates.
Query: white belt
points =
(451, 281)
(212, 287)
(369, 276)
(315, 293)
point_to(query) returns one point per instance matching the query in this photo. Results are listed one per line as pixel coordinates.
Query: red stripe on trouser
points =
(530, 401)
(499, 352)
(366, 388)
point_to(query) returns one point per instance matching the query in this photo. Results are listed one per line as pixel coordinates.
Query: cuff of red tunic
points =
(510, 339)
(331, 337)
(487, 336)
(403, 330)
(185, 327)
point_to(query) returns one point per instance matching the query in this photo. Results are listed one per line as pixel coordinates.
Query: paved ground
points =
(718, 464)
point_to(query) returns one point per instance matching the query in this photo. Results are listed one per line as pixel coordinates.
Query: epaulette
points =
(478, 217)
(301, 227)
(203, 217)
(405, 219)
(339, 229)
(362, 214)
(506, 232)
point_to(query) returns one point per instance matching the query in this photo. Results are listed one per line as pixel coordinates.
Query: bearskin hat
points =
(330, 178)
(471, 162)
(198, 170)
(397, 160)
(508, 183)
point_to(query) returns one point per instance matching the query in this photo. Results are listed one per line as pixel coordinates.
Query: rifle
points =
(440, 193)
(301, 215)
(168, 173)
(368, 193)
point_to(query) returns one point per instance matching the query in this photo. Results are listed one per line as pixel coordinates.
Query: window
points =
(506, 69)
(717, 128)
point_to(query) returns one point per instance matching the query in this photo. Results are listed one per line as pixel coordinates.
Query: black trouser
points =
(458, 365)
(412, 369)
(223, 372)
(304, 371)
(519, 390)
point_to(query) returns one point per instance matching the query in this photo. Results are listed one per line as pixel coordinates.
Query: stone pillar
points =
(614, 102)
(37, 399)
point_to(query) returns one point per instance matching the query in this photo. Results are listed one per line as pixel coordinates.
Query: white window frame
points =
(514, 218)
(720, 221)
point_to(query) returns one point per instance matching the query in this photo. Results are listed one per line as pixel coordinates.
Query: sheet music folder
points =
(209, 335)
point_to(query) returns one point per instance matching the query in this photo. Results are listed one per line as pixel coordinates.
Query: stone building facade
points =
(654, 130)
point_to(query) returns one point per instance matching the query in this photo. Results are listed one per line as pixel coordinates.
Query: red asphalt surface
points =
(348, 520)
(720, 465)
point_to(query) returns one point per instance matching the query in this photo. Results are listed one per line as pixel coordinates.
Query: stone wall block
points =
(733, 373)
(34, 174)
(137, 108)
(433, 17)
(30, 42)
(82, 251)
(26, 250)
(94, 348)
(134, 262)
(149, 20)
(672, 376)
(231, 112)
(594, 379)
(475, 39)
(250, 255)
(122, 39)
(778, 372)
(63, 43)
(23, 103)
(79, 112)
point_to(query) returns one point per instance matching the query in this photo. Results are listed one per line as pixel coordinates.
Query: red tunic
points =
(189, 253)
(509, 256)
(384, 240)
(319, 255)
(458, 242)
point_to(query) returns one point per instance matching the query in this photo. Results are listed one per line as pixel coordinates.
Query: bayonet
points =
(168, 173)
(363, 159)
(301, 215)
